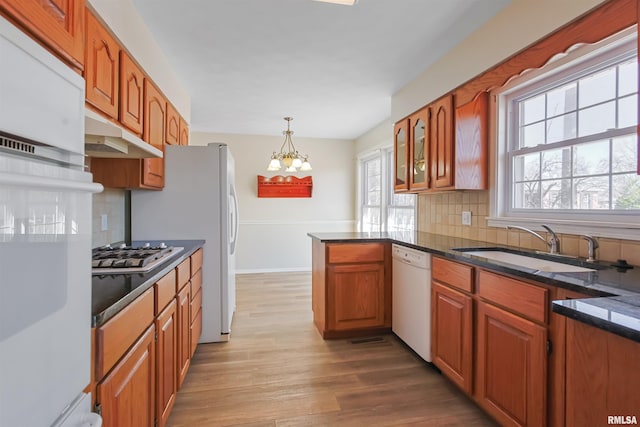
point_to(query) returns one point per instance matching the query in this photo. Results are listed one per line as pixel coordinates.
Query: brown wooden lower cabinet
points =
(184, 325)
(126, 395)
(511, 367)
(167, 362)
(602, 377)
(452, 334)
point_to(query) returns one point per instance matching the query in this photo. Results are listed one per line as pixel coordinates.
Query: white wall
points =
(518, 25)
(123, 19)
(273, 231)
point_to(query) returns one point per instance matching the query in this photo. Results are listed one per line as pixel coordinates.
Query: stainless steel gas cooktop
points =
(125, 259)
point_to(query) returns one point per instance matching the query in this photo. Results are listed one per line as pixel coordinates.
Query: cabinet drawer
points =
(119, 333)
(183, 273)
(165, 290)
(452, 273)
(196, 304)
(528, 300)
(196, 261)
(196, 283)
(355, 252)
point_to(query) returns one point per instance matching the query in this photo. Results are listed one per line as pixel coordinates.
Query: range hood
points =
(106, 139)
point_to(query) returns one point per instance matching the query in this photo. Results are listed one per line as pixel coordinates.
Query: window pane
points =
(400, 219)
(526, 167)
(628, 111)
(532, 135)
(591, 158)
(597, 88)
(556, 194)
(370, 219)
(532, 110)
(556, 163)
(527, 195)
(625, 154)
(626, 191)
(591, 193)
(628, 78)
(561, 128)
(597, 119)
(562, 100)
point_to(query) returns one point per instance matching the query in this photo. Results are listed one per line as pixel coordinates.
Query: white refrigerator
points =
(198, 202)
(45, 240)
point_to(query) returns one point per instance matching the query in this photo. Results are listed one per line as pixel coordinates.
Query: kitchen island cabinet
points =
(351, 289)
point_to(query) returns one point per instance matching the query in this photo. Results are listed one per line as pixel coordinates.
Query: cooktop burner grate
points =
(127, 259)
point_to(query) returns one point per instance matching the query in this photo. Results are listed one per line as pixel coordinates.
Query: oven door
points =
(45, 290)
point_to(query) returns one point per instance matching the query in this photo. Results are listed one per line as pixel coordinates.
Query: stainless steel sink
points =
(526, 261)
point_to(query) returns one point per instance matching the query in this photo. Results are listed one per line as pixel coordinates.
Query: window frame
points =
(560, 69)
(386, 156)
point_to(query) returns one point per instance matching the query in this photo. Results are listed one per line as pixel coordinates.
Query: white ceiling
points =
(248, 63)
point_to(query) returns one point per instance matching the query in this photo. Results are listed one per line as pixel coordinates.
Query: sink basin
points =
(527, 261)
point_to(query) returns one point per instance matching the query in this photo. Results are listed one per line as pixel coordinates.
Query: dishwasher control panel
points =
(411, 256)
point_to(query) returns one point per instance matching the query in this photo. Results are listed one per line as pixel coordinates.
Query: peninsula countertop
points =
(616, 289)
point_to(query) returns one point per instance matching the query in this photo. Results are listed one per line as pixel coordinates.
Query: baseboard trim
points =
(274, 270)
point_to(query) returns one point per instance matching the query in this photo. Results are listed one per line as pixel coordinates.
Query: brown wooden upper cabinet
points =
(401, 154)
(131, 94)
(447, 147)
(60, 25)
(419, 150)
(155, 115)
(184, 133)
(102, 68)
(173, 126)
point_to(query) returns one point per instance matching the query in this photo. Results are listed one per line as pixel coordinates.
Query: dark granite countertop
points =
(113, 292)
(620, 287)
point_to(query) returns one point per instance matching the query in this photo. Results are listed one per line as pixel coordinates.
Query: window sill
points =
(613, 230)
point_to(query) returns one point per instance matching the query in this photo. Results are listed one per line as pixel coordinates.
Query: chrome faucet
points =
(593, 245)
(553, 243)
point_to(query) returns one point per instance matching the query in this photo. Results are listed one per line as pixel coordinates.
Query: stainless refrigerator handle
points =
(234, 226)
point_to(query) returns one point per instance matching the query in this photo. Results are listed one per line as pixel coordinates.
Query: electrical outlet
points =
(104, 225)
(466, 218)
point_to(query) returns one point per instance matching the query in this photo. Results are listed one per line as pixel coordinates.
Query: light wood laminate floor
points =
(277, 371)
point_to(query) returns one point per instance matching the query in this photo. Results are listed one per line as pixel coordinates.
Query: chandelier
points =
(288, 157)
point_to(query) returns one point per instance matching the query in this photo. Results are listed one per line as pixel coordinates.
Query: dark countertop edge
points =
(102, 317)
(597, 322)
(600, 291)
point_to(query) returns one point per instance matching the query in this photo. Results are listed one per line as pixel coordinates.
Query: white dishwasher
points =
(411, 314)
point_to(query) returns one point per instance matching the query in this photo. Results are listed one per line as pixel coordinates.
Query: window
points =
(381, 209)
(568, 141)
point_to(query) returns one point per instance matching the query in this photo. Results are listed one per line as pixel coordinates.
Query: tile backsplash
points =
(441, 213)
(111, 202)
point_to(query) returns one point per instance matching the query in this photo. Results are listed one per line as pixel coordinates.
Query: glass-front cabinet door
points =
(419, 150)
(401, 150)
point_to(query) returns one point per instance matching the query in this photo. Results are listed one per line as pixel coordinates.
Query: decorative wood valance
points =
(284, 186)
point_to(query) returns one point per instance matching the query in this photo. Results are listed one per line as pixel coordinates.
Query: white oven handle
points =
(20, 180)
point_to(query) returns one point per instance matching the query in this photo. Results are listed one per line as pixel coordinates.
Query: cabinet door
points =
(167, 366)
(184, 341)
(173, 126)
(401, 153)
(59, 24)
(155, 113)
(184, 133)
(102, 68)
(131, 94)
(511, 367)
(471, 144)
(452, 335)
(126, 395)
(419, 150)
(357, 294)
(442, 149)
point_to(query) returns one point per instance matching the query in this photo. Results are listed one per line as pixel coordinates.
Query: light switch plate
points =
(466, 218)
(104, 225)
